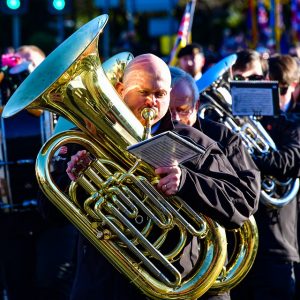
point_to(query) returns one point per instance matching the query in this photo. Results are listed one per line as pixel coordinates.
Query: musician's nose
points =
(151, 101)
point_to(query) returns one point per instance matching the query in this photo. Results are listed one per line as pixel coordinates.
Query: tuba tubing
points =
(152, 286)
(241, 259)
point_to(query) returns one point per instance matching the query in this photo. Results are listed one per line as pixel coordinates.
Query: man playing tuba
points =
(208, 183)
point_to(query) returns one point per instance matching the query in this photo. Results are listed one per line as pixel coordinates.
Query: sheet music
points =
(254, 98)
(165, 149)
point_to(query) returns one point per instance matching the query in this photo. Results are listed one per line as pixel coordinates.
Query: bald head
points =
(147, 63)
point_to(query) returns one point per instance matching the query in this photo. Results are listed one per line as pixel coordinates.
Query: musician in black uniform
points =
(147, 83)
(20, 220)
(272, 276)
(292, 110)
(184, 107)
(37, 247)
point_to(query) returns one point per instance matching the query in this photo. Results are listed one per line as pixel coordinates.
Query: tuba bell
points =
(215, 92)
(123, 216)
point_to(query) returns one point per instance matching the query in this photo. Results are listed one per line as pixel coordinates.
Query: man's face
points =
(33, 57)
(255, 69)
(192, 64)
(147, 90)
(181, 104)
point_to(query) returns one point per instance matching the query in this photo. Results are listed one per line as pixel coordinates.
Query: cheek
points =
(163, 108)
(131, 100)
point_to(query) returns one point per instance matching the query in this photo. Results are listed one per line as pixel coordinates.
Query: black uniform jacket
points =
(223, 183)
(278, 227)
(209, 183)
(239, 157)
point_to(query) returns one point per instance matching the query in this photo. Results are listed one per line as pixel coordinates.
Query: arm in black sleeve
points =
(246, 170)
(211, 185)
(285, 161)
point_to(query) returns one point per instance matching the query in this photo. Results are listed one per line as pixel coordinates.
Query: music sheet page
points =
(165, 149)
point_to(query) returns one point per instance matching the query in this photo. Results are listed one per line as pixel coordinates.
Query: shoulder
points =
(215, 128)
(196, 135)
(219, 132)
(288, 121)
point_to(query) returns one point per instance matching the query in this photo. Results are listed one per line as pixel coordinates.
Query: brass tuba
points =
(240, 258)
(215, 93)
(139, 231)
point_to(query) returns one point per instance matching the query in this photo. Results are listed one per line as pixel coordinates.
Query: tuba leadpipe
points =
(123, 216)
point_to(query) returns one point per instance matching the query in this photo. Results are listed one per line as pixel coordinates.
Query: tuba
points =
(214, 89)
(139, 231)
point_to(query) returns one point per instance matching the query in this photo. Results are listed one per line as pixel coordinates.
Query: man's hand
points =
(77, 164)
(170, 179)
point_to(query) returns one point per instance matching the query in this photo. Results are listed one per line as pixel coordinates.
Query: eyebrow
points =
(153, 91)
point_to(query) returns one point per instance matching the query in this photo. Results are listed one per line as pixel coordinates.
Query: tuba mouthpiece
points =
(148, 114)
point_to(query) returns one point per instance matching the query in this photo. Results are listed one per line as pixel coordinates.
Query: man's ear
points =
(119, 88)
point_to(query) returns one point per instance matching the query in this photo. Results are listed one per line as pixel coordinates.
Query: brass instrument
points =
(124, 216)
(240, 260)
(113, 69)
(274, 193)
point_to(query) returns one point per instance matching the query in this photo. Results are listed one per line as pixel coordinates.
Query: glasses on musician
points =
(184, 113)
(239, 77)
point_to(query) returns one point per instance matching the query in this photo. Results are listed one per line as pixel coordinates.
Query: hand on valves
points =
(168, 183)
(170, 179)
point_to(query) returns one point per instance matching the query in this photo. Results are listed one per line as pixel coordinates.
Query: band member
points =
(36, 252)
(191, 59)
(272, 276)
(184, 107)
(147, 83)
(20, 220)
(290, 106)
(249, 66)
(32, 54)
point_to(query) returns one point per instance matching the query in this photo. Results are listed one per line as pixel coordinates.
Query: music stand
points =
(255, 98)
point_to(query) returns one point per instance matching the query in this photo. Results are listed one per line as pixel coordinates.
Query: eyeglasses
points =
(183, 113)
(283, 90)
(251, 77)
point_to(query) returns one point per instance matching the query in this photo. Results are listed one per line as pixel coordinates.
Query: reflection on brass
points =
(240, 260)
